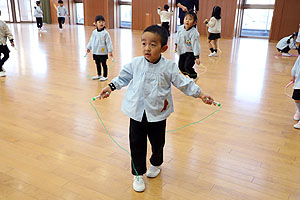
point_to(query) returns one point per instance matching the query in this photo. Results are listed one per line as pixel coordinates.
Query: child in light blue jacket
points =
(296, 93)
(38, 14)
(148, 101)
(187, 45)
(61, 14)
(101, 46)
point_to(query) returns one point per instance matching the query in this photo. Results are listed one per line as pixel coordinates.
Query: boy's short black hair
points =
(166, 7)
(60, 1)
(193, 14)
(38, 2)
(162, 32)
(99, 18)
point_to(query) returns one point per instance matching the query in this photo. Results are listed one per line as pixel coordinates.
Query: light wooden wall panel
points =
(111, 16)
(286, 18)
(227, 14)
(144, 13)
(92, 8)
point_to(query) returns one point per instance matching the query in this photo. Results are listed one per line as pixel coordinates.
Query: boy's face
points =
(151, 46)
(60, 4)
(189, 21)
(100, 24)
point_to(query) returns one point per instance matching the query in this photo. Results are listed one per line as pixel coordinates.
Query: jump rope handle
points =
(215, 103)
(98, 97)
(290, 83)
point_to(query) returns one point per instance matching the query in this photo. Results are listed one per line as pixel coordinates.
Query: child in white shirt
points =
(214, 29)
(286, 44)
(165, 17)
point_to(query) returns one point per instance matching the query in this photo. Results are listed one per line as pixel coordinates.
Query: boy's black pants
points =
(138, 132)
(186, 64)
(39, 22)
(5, 51)
(61, 21)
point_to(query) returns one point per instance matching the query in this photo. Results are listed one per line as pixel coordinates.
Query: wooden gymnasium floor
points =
(53, 147)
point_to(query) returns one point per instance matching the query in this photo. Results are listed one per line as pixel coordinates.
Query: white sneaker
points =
(297, 115)
(138, 184)
(286, 54)
(297, 126)
(153, 171)
(213, 54)
(96, 77)
(103, 79)
(2, 74)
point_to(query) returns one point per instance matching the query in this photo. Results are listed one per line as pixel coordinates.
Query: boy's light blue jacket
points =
(296, 73)
(149, 88)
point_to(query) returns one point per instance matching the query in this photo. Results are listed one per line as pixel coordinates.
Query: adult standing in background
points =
(186, 5)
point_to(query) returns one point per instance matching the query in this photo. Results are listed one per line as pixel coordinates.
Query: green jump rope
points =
(94, 98)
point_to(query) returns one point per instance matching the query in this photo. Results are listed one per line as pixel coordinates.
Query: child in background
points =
(101, 46)
(165, 17)
(298, 40)
(214, 29)
(187, 44)
(4, 34)
(286, 44)
(61, 14)
(148, 100)
(38, 14)
(296, 94)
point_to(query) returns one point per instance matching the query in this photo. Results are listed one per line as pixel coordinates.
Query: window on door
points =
(24, 10)
(125, 13)
(5, 11)
(79, 13)
(257, 18)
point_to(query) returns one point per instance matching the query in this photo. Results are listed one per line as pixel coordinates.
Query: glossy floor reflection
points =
(48, 130)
